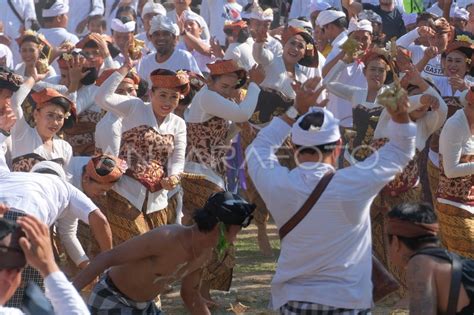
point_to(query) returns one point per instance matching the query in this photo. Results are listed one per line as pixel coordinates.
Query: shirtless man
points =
(144, 266)
(413, 244)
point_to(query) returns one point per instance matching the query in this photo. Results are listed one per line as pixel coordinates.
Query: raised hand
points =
(216, 47)
(429, 101)
(257, 74)
(458, 83)
(101, 42)
(307, 94)
(399, 113)
(37, 245)
(7, 119)
(431, 52)
(426, 31)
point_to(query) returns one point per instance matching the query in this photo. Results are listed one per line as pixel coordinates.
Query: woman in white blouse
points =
(209, 135)
(457, 68)
(51, 113)
(34, 50)
(153, 142)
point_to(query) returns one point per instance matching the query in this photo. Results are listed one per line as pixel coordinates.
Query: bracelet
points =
(5, 133)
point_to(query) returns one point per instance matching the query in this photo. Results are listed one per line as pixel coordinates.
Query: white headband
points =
(328, 16)
(362, 25)
(327, 133)
(459, 13)
(57, 9)
(300, 23)
(319, 5)
(163, 23)
(119, 26)
(152, 7)
(189, 15)
(259, 14)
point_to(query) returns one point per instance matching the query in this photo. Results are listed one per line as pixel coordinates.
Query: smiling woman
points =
(52, 112)
(153, 143)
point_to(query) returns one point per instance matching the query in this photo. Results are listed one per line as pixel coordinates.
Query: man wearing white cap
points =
(325, 260)
(259, 22)
(122, 34)
(6, 56)
(392, 20)
(459, 18)
(353, 72)
(55, 21)
(164, 36)
(317, 6)
(192, 41)
(45, 194)
(81, 12)
(149, 10)
(333, 24)
(181, 6)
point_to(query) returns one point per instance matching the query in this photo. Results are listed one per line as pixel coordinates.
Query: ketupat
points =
(135, 49)
(350, 47)
(391, 96)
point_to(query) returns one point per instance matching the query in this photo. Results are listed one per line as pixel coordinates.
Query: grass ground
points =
(251, 283)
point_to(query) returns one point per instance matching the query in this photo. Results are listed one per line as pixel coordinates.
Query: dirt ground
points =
(251, 283)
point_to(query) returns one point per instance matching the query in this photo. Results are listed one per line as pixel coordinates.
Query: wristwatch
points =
(293, 113)
(5, 133)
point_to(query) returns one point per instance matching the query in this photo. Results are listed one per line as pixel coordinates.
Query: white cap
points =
(57, 9)
(361, 25)
(319, 5)
(189, 15)
(118, 26)
(50, 165)
(152, 7)
(3, 50)
(300, 23)
(163, 23)
(327, 133)
(329, 16)
(459, 13)
(259, 14)
(409, 18)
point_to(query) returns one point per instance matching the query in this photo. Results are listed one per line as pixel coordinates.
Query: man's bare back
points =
(144, 279)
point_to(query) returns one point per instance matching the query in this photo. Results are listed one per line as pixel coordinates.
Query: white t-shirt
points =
(205, 29)
(180, 59)
(241, 53)
(202, 60)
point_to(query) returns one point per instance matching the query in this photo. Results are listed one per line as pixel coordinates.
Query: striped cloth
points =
(305, 308)
(106, 298)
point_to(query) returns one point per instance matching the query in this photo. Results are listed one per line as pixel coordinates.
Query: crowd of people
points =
(138, 137)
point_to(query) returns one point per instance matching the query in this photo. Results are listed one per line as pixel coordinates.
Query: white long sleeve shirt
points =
(62, 294)
(456, 139)
(425, 126)
(134, 112)
(207, 104)
(326, 258)
(52, 201)
(241, 53)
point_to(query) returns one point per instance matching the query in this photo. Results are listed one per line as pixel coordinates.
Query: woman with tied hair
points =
(153, 143)
(207, 119)
(52, 112)
(458, 69)
(35, 51)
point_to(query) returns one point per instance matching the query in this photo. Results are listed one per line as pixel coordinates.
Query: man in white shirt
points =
(260, 22)
(29, 242)
(353, 73)
(325, 261)
(164, 36)
(122, 35)
(81, 12)
(150, 10)
(55, 21)
(333, 24)
(183, 5)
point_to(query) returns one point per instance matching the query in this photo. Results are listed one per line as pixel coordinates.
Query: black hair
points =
(126, 9)
(243, 35)
(91, 44)
(315, 120)
(103, 22)
(205, 220)
(142, 88)
(181, 89)
(46, 171)
(340, 23)
(429, 82)
(425, 16)
(415, 213)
